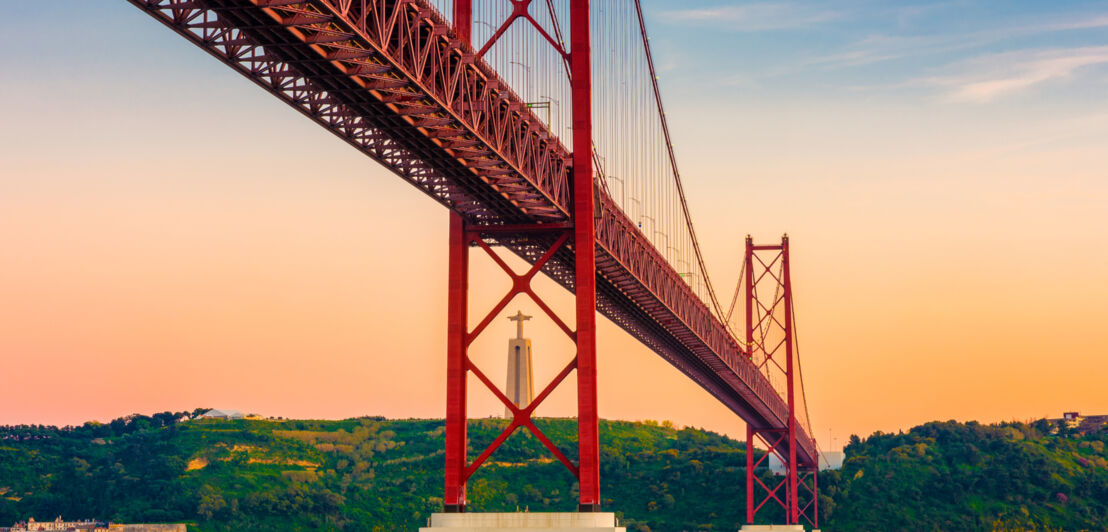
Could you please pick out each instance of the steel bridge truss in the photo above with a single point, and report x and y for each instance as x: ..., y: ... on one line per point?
x: 401, y: 84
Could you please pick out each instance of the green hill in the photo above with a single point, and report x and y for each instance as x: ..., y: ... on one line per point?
x: 955, y: 476
x: 355, y: 474
x: 378, y: 474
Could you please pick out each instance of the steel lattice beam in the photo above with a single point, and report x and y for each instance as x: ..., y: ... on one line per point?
x: 391, y: 78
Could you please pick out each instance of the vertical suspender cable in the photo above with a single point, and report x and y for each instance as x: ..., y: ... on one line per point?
x: 673, y: 163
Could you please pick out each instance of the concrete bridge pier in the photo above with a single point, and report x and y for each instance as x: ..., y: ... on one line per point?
x: 774, y: 528
x: 524, y: 522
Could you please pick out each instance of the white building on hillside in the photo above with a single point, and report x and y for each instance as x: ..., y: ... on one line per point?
x: 222, y: 414
x: 827, y: 460
x: 36, y: 526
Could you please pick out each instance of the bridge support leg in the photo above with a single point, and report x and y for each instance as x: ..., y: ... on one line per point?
x: 456, y: 373
x: 815, y: 496
x: 748, y: 270
x: 749, y: 474
x: 791, y: 474
x: 584, y: 247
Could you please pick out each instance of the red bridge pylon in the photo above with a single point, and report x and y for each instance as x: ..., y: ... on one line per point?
x: 577, y: 237
x: 770, y: 336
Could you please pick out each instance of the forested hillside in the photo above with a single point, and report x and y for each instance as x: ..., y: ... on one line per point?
x: 356, y: 474
x: 378, y: 474
x: 955, y: 476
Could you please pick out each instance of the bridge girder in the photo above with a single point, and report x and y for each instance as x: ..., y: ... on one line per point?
x: 397, y: 83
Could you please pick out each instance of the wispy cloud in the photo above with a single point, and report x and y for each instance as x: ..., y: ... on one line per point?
x: 1100, y: 21
x: 877, y: 48
x: 987, y: 78
x: 762, y: 16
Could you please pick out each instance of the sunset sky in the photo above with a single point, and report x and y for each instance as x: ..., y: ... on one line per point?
x: 174, y: 237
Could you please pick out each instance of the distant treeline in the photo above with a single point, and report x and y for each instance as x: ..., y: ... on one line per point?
x: 968, y: 476
x: 377, y: 474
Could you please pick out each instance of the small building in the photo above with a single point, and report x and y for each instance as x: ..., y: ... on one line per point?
x: 831, y: 460
x: 147, y: 527
x: 827, y: 460
x: 58, y: 524
x: 222, y: 414
x: 1071, y: 419
x: 776, y: 466
x: 1080, y: 423
x: 1092, y: 424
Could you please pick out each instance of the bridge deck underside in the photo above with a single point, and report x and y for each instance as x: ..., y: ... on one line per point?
x: 390, y: 78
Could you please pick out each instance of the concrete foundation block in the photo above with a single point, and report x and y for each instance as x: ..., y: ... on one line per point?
x: 773, y: 528
x: 524, y: 522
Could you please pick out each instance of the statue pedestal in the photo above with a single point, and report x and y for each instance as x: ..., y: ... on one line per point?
x: 524, y: 522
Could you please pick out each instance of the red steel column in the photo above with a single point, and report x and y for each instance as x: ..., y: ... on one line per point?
x: 749, y: 269
x: 584, y: 238
x: 749, y: 474
x: 454, y: 497
x: 749, y: 259
x: 793, y: 510
x: 815, y: 495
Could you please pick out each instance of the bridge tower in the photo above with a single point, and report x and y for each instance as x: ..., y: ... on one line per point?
x: 579, y: 238
x: 770, y: 335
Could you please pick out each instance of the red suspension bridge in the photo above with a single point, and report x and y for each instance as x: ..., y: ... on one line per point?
x: 539, y: 125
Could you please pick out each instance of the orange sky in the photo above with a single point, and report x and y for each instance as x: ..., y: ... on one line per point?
x: 175, y: 238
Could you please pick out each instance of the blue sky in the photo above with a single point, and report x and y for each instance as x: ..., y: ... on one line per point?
x: 958, y: 51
